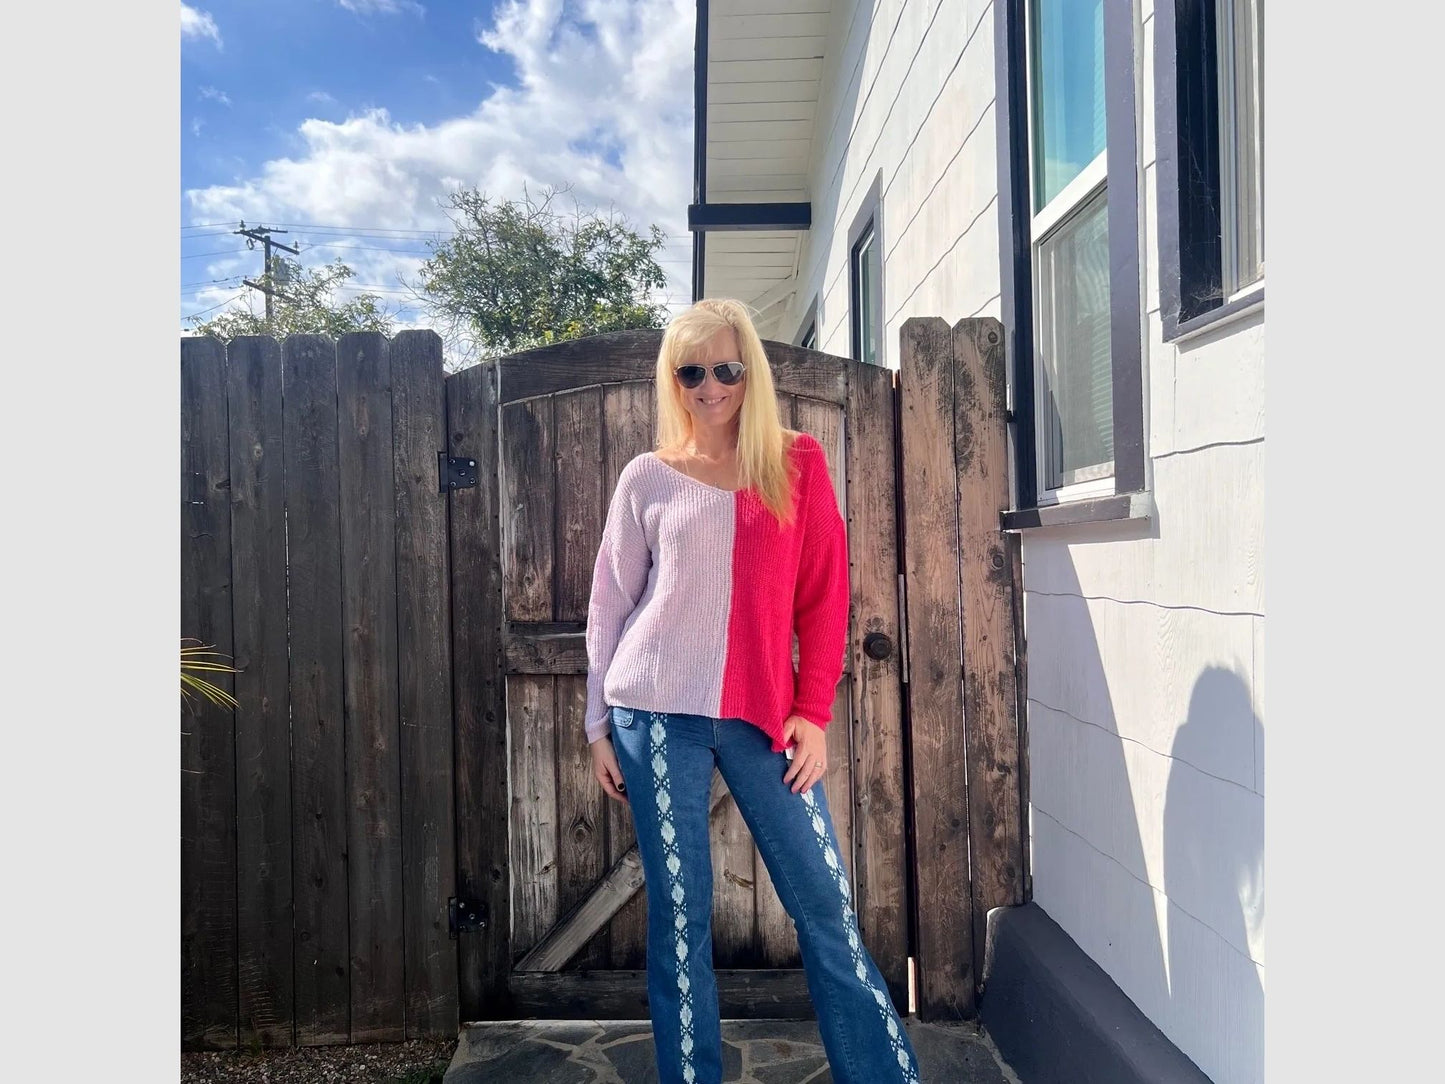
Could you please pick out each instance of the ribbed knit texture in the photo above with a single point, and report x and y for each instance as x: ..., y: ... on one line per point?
x: 697, y: 591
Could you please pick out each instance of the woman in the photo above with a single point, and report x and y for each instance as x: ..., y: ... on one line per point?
x: 719, y: 545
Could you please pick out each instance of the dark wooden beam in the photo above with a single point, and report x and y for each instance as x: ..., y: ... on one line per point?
x: 705, y: 217
x: 761, y: 993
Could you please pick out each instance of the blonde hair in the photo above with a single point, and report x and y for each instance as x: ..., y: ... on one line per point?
x: 763, y: 463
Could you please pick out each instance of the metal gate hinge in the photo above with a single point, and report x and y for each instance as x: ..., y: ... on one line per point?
x: 464, y: 915
x: 456, y: 471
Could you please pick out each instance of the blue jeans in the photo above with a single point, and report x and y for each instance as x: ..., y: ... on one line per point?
x: 667, y: 763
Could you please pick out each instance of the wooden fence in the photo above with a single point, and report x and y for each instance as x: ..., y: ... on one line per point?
x: 330, y: 819
x: 317, y: 851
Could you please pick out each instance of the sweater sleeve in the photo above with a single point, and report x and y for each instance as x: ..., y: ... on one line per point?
x: 619, y: 576
x: 821, y: 598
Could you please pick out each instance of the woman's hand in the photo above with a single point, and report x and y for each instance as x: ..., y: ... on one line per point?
x: 604, y: 766
x: 810, y: 752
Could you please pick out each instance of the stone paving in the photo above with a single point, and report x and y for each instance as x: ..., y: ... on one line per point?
x: 754, y: 1052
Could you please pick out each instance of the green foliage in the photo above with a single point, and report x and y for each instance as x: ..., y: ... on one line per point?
x: 518, y: 274
x: 304, y: 305
x: 197, y: 661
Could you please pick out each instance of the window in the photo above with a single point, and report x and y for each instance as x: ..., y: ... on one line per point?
x: 1070, y: 249
x: 865, y: 278
x: 1209, y: 135
x: 865, y: 275
x: 1068, y: 141
x: 807, y: 336
x: 1239, y: 33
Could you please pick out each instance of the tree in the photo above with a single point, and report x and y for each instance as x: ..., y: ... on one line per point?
x: 304, y: 305
x: 518, y: 274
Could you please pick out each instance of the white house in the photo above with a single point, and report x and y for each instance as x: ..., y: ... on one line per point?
x: 1088, y: 172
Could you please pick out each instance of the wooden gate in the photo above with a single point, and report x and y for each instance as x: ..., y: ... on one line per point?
x: 408, y: 753
x: 549, y: 865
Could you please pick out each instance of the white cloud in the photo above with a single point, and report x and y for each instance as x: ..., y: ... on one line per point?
x: 321, y: 97
x: 199, y: 24
x: 196, y: 126
x: 215, y: 95
x: 381, y: 7
x: 602, y: 102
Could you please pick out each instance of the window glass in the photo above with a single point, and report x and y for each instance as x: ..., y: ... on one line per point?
x: 1241, y: 152
x: 867, y: 296
x: 1076, y: 415
x: 1068, y: 91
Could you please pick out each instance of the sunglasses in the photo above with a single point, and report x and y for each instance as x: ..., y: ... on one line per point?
x: 692, y: 376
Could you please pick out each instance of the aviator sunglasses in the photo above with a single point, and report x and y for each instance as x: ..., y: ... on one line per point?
x: 692, y: 376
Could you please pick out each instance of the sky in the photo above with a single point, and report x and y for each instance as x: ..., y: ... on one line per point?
x: 345, y: 122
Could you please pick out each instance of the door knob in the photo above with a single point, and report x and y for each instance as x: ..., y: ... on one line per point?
x: 876, y: 645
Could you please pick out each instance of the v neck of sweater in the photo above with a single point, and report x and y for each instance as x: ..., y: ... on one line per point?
x: 695, y: 481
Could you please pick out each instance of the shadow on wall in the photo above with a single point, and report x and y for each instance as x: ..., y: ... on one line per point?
x: 1214, y: 877
x: 1117, y: 825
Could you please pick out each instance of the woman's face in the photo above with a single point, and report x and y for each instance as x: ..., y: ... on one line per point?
x: 712, y: 404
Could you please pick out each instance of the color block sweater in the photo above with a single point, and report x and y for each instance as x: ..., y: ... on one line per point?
x: 697, y: 591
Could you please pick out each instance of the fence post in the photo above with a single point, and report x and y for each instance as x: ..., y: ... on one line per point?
x: 939, y: 799
x: 989, y: 595
x: 209, y: 1003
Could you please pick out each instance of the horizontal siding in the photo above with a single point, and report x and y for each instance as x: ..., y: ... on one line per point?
x: 1202, y: 551
x: 783, y: 89
x: 1143, y: 809
x: 732, y: 113
x: 765, y: 19
x: 755, y: 190
x: 1206, y: 996
x: 759, y: 71
x: 752, y: 241
x: 924, y: 123
x: 763, y: 48
x: 791, y: 132
x: 776, y: 174
x: 1219, y: 387
x: 1142, y: 671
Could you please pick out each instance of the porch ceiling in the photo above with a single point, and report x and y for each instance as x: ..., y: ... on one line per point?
x: 764, y: 62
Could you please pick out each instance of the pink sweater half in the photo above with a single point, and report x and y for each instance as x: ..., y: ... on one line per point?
x: 697, y: 592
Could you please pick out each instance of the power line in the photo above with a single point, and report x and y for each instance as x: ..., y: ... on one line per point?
x: 371, y: 248
x: 378, y: 231
x: 218, y: 252
x: 209, y: 282
x: 364, y: 229
x: 226, y: 302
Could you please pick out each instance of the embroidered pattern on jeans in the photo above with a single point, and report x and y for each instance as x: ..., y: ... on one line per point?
x: 850, y: 923
x: 661, y: 780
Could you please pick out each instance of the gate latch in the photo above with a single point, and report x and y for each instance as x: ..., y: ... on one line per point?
x: 464, y: 915
x: 456, y: 471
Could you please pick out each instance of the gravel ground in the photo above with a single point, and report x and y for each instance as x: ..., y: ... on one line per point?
x: 421, y: 1061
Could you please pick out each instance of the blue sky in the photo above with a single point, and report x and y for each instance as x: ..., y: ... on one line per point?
x: 346, y: 121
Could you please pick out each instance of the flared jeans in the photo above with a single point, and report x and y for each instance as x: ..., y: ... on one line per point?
x: 667, y: 763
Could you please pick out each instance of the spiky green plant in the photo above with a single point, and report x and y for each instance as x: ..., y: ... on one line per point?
x: 197, y: 661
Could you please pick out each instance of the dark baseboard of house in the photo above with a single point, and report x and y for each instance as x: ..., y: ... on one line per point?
x: 1057, y: 1018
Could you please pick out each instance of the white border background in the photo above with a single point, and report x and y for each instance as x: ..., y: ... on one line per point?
x: 91, y: 434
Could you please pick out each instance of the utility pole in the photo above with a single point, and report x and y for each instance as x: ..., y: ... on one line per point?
x: 263, y: 234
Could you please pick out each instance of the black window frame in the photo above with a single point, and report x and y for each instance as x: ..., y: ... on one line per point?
x: 868, y: 220
x: 1187, y: 129
x: 808, y: 327
x: 1126, y: 295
